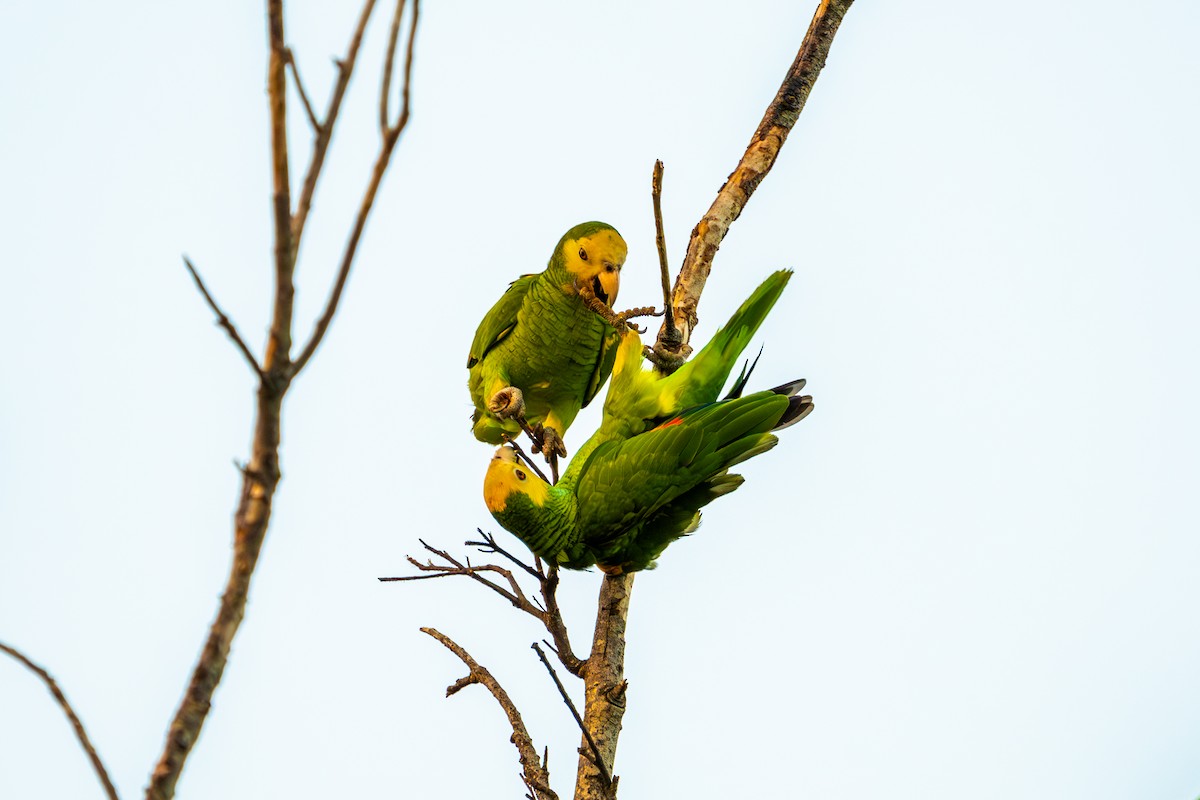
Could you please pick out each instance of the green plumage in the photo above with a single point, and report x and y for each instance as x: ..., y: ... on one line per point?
x: 663, y: 452
x: 540, y: 338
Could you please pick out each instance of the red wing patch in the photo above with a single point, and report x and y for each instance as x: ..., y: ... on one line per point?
x: 668, y: 424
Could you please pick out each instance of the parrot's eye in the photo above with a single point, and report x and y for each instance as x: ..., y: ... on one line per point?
x: 520, y: 475
x: 610, y: 268
x: 582, y: 254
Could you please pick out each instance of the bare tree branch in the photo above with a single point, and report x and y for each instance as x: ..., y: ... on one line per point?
x: 548, y: 613
x: 308, y: 109
x: 261, y: 475
x: 556, y: 626
x: 515, y: 445
x: 345, y: 68
x: 604, y: 687
x: 758, y: 159
x: 385, y: 90
x: 515, y: 594
x: 603, y: 671
x: 224, y: 321
x: 660, y: 243
x: 391, y: 135
x: 536, y: 776
x: 587, y: 735
x: 489, y: 545
x: 80, y: 733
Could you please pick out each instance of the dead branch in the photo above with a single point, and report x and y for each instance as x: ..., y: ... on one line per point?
x: 224, y: 321
x: 489, y: 545
x: 556, y: 626
x: 526, y: 459
x: 391, y: 135
x: 604, y: 687
x: 261, y: 475
x: 604, y: 669
x: 660, y: 244
x: 587, y: 735
x: 547, y: 611
x: 299, y: 84
x: 535, y: 774
x: 514, y: 594
x: 345, y: 68
x: 72, y: 717
x: 755, y: 163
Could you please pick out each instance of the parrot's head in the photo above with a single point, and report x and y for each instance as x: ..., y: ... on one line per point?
x: 594, y: 253
x: 506, y: 476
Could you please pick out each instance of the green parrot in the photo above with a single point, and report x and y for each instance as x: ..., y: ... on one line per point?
x: 543, y: 351
x: 663, y: 451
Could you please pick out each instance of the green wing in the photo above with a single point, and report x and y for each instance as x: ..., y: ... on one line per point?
x: 604, y: 364
x: 638, y: 495
x: 499, y: 322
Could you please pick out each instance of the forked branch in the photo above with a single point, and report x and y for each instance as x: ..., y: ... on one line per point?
x: 604, y: 669
x: 391, y: 135
x: 546, y: 611
x: 261, y: 474
x: 224, y: 321
x: 534, y: 773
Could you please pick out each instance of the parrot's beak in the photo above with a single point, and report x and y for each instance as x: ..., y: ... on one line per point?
x: 607, y: 283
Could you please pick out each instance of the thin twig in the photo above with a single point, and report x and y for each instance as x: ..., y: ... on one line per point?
x: 556, y: 625
x: 489, y: 546
x: 308, y: 109
x: 521, y: 454
x: 660, y: 241
x: 385, y: 89
x: 279, y: 342
x: 547, y: 611
x: 515, y: 594
x: 224, y: 321
x: 391, y: 137
x: 599, y: 760
x: 536, y: 775
x: 80, y: 733
x: 345, y: 68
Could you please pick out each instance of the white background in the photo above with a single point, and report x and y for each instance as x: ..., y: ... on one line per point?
x: 974, y: 571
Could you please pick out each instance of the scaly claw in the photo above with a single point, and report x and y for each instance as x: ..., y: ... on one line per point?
x: 552, y: 443
x: 508, y: 403
x: 642, y: 311
x: 618, y: 321
x: 549, y: 443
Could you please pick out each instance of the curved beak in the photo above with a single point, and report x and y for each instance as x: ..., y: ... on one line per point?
x: 607, y: 284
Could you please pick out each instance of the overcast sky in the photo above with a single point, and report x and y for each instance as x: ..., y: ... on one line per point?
x: 974, y: 571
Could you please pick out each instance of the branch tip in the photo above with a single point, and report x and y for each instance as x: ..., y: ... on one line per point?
x: 224, y: 321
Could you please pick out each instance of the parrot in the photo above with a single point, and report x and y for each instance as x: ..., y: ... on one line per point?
x: 546, y: 347
x: 663, y: 450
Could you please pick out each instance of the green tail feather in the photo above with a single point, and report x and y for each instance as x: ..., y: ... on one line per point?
x: 707, y: 371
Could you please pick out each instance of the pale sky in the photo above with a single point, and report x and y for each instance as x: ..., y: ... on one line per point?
x: 974, y: 571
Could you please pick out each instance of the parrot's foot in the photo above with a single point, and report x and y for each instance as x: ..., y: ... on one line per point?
x: 665, y: 360
x: 642, y: 311
x: 508, y: 403
x: 605, y: 312
x: 548, y: 442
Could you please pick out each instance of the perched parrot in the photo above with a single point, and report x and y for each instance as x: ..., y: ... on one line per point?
x: 542, y: 353
x: 663, y: 451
